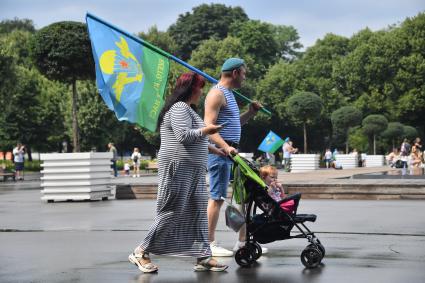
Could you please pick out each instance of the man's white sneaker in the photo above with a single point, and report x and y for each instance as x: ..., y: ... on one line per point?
x: 219, y: 251
x: 239, y: 245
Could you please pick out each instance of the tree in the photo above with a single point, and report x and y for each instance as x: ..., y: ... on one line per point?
x: 62, y: 51
x: 205, y: 22
x: 394, y: 131
x: 7, y: 26
x: 258, y: 41
x: 304, y: 108
x: 372, y: 126
x: 287, y: 40
x: 409, y: 132
x: 343, y: 119
x: 160, y: 39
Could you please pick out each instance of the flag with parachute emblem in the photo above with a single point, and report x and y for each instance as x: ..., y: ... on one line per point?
x: 131, y: 78
x: 271, y: 143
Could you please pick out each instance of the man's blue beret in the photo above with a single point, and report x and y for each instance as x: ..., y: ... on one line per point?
x: 231, y: 64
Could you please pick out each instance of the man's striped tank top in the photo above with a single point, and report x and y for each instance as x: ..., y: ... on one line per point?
x: 229, y: 114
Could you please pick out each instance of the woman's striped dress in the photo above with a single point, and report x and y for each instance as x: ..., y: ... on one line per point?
x: 181, y: 225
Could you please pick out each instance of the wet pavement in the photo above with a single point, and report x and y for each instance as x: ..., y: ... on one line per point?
x: 366, y: 241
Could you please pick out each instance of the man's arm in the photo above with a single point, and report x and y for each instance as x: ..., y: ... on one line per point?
x: 252, y: 111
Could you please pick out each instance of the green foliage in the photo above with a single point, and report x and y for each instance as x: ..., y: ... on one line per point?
x: 7, y: 26
x: 287, y: 40
x: 212, y: 53
x: 160, y: 39
x: 374, y: 124
x: 16, y: 44
x: 394, y: 130
x: 205, y: 22
x: 258, y: 40
x: 346, y: 117
x: 304, y: 107
x: 343, y: 119
x: 357, y: 139
x: 377, y: 72
x: 409, y: 132
x: 62, y: 51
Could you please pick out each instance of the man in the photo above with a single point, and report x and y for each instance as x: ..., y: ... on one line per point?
x: 114, y: 151
x: 18, y: 158
x: 221, y: 109
x: 287, y: 152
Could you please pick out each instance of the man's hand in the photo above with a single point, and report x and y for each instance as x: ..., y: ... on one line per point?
x: 255, y: 106
x: 230, y: 149
x: 216, y: 150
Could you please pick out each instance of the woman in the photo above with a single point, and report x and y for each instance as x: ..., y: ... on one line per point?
x: 415, y: 157
x: 180, y: 227
x: 135, y: 157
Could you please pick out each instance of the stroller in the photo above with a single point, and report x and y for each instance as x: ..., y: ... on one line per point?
x: 272, y: 223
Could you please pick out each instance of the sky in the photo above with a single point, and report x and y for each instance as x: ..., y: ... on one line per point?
x: 311, y: 18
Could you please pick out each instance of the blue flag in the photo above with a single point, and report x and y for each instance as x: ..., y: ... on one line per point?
x: 131, y: 78
x: 271, y: 143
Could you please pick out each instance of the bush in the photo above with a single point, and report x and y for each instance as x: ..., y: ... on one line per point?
x: 33, y: 166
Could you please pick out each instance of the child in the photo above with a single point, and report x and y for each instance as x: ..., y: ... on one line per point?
x: 127, y: 168
x: 269, y: 175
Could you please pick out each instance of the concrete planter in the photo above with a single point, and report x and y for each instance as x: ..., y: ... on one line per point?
x: 347, y: 161
x: 304, y: 162
x: 374, y: 160
x: 76, y: 176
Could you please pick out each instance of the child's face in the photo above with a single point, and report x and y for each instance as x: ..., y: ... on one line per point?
x: 271, y: 178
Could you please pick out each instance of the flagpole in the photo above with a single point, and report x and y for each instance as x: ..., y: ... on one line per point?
x: 172, y: 57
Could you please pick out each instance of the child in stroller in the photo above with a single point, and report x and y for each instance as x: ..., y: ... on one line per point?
x: 275, y: 189
x: 272, y: 222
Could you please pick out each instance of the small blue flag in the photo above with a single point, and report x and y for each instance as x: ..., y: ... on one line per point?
x: 271, y: 143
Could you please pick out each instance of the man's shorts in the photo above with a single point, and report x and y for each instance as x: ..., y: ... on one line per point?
x: 219, y: 168
x: 19, y: 166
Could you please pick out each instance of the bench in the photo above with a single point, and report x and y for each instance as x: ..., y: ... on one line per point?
x: 7, y: 174
x: 152, y: 166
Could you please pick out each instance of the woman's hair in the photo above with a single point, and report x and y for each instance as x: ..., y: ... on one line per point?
x: 267, y: 171
x: 185, y: 85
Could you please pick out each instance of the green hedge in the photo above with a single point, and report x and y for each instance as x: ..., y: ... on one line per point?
x: 28, y: 166
x: 143, y: 164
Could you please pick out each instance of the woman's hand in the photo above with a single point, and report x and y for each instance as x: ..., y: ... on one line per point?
x: 210, y: 129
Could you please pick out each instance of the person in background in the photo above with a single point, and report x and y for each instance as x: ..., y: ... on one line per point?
x: 393, y: 157
x: 415, y: 157
x: 136, y: 158
x: 127, y: 168
x: 418, y: 145
x: 114, y: 151
x: 404, y: 152
x: 328, y: 158
x: 18, y: 157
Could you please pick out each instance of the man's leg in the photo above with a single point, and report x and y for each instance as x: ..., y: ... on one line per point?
x: 213, y: 211
x: 219, y: 174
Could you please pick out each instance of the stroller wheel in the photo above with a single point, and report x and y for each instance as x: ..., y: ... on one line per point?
x: 255, y: 250
x: 321, y: 249
x: 311, y: 257
x: 244, y: 257
x: 319, y: 246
